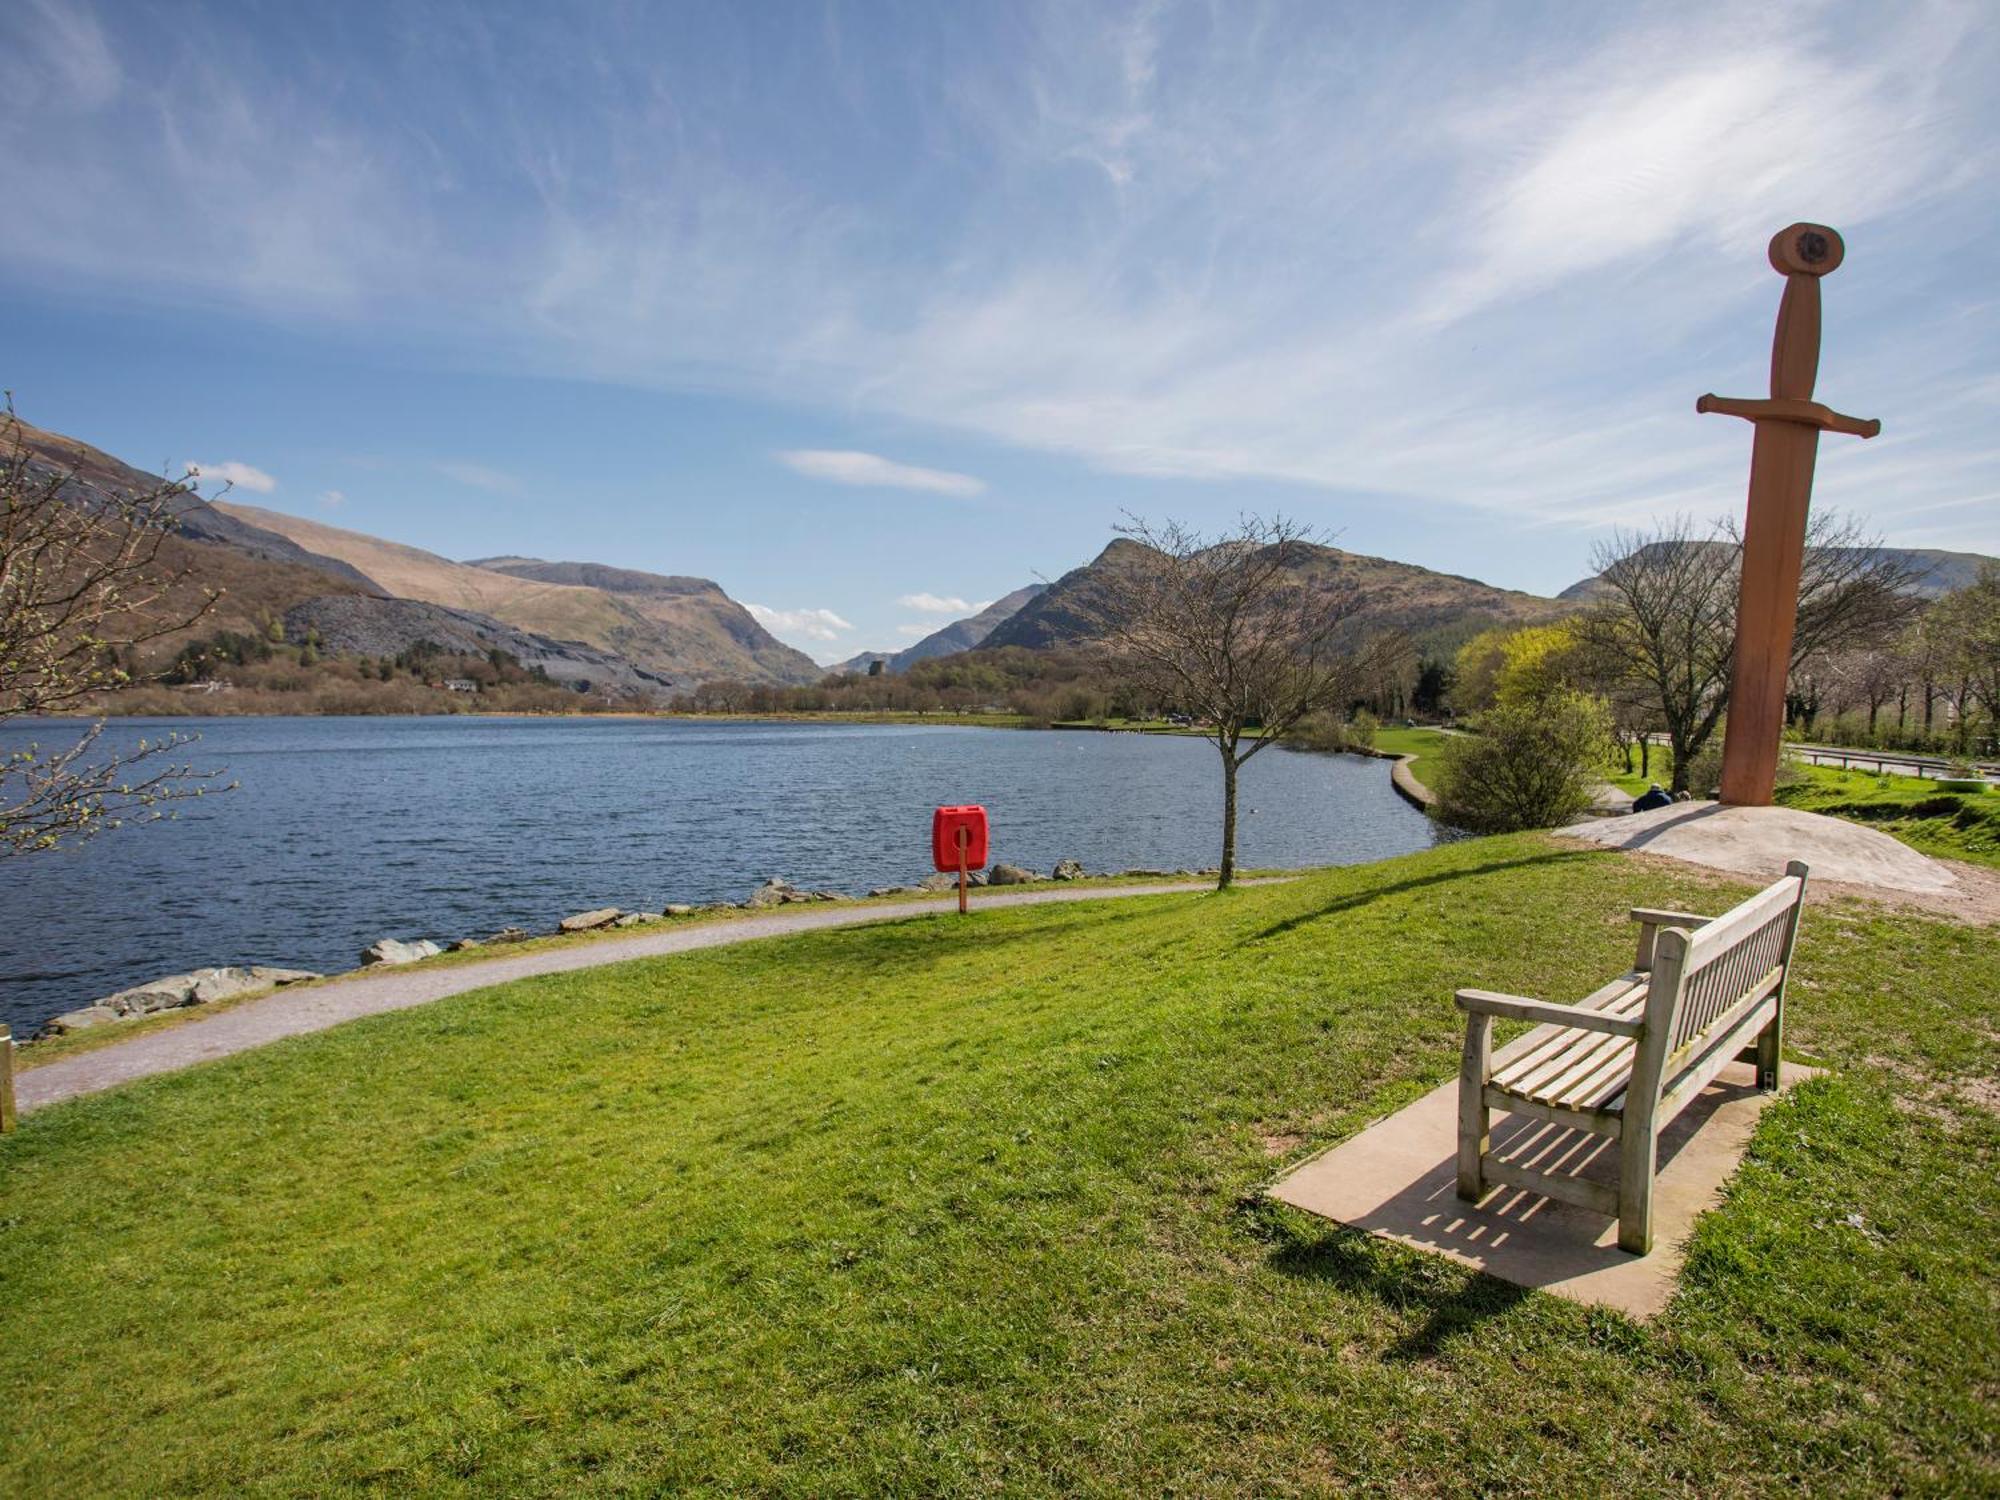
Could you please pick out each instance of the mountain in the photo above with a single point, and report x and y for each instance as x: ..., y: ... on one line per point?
x: 960, y: 635
x: 1438, y: 610
x: 708, y: 633
x: 614, y: 628
x: 700, y: 631
x: 1933, y: 572
x: 361, y: 625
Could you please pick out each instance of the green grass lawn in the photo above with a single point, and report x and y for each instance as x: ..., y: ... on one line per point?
x: 973, y: 1205
x: 1417, y: 742
x: 1958, y: 825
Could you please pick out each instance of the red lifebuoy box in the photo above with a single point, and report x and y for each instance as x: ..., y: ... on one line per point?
x: 945, y: 825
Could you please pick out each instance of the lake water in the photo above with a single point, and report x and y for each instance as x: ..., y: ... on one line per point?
x: 345, y: 830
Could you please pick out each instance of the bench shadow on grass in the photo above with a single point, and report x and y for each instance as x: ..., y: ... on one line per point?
x: 1415, y: 882
x: 1401, y: 1281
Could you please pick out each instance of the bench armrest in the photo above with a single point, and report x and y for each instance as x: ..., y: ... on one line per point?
x: 1654, y: 918
x: 1650, y: 922
x: 1521, y: 1008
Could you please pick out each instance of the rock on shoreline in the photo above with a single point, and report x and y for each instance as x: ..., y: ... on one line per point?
x: 174, y: 992
x: 394, y: 951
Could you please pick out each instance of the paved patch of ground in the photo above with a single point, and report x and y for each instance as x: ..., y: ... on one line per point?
x: 296, y: 1012
x: 1399, y: 1179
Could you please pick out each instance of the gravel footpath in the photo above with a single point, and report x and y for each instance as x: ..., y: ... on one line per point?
x: 296, y: 1012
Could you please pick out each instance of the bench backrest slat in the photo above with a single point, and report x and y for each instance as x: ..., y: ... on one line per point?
x: 1720, y: 963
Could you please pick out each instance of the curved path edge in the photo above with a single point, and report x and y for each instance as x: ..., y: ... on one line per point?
x: 299, y: 1012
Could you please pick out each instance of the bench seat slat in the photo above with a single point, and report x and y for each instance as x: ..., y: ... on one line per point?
x: 1578, y: 1077
x: 1624, y: 996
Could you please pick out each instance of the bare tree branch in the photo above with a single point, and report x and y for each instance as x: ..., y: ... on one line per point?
x: 82, y: 588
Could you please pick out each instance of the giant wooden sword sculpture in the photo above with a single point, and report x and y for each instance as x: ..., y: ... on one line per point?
x: 1774, y: 531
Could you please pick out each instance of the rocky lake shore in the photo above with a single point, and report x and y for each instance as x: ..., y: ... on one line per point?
x: 209, y: 986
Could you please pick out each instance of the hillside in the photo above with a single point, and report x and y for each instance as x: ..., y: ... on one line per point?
x: 959, y: 635
x: 1438, y: 610
x: 704, y: 631
x: 1934, y: 571
x: 95, y: 473
x: 701, y: 634
x: 260, y: 574
x: 357, y: 625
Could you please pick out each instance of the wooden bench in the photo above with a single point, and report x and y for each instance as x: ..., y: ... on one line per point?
x: 1624, y: 1061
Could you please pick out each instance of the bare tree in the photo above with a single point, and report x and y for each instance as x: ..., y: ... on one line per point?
x: 1233, y: 631
x: 1968, y: 620
x: 1666, y: 618
x: 1667, y: 621
x: 83, y: 586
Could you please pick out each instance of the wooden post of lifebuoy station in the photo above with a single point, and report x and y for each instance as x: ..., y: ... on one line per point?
x: 6, y: 1079
x: 964, y: 839
x: 1788, y: 426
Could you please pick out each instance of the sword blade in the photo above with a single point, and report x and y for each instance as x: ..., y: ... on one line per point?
x: 1767, y: 605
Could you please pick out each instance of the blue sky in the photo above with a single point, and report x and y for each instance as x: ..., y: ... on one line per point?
x: 871, y: 311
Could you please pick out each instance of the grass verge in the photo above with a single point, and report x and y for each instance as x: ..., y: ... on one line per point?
x: 50, y: 1049
x: 1422, y: 743
x: 948, y: 1206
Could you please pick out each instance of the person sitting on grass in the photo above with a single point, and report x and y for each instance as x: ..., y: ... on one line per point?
x: 1654, y: 796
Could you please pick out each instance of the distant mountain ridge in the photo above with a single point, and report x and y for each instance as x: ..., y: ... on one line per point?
x: 708, y: 633
x: 1935, y: 572
x: 1438, y: 610
x: 676, y: 630
x: 616, y: 628
x: 960, y: 635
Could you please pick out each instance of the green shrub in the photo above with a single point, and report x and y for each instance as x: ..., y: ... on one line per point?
x: 1704, y: 771
x: 1532, y: 765
x: 1328, y: 731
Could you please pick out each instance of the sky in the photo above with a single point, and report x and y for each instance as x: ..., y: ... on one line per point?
x: 873, y: 313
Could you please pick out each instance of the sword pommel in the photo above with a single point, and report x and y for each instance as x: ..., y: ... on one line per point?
x: 1806, y: 250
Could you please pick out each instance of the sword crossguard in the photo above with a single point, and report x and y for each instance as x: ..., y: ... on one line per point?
x: 1779, y: 409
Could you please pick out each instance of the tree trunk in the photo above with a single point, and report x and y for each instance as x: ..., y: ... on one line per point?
x: 1681, y: 759
x: 1645, y: 756
x: 1227, y: 873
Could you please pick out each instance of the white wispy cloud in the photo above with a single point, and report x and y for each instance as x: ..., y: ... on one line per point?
x: 942, y: 604
x: 333, y: 499
x: 1451, y: 253
x: 872, y: 471
x: 809, y: 624
x: 479, y: 476
x: 235, y: 474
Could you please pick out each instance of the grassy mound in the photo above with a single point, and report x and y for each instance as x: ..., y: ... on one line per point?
x: 960, y: 1205
x: 1957, y: 825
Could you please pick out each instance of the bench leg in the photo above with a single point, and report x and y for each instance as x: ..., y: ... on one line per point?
x: 1769, y: 1044
x: 1638, y: 1159
x: 1474, y: 1118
